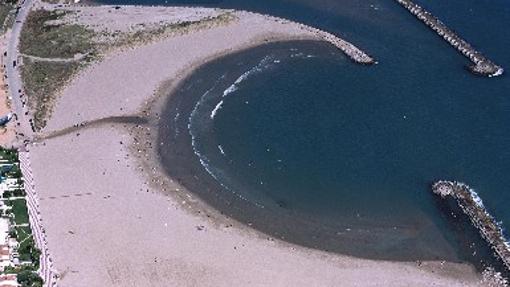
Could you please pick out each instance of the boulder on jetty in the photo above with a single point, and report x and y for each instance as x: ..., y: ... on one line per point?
x: 473, y: 207
x: 481, y: 65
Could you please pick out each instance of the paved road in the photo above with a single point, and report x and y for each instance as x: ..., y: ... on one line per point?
x: 13, y: 73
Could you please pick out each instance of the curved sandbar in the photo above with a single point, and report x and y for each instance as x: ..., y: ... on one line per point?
x: 109, y: 221
x: 481, y: 65
x: 473, y: 207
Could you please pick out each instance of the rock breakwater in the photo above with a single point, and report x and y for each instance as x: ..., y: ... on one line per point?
x: 353, y: 52
x: 481, y: 65
x: 473, y: 207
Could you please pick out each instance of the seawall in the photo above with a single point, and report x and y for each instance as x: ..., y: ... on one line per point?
x: 473, y: 207
x: 481, y: 65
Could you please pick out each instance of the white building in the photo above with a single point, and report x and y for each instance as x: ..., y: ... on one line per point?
x: 5, y: 259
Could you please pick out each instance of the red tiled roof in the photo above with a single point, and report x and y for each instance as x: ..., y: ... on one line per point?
x: 8, y: 277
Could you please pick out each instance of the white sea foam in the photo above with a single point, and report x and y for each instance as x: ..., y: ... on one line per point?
x: 264, y: 64
x: 476, y: 198
x: 299, y: 55
x: 218, y: 106
x: 499, y: 72
x: 204, y: 161
x: 261, y: 66
x: 232, y: 88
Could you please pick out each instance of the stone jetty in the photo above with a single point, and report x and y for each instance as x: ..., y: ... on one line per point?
x: 481, y: 65
x: 353, y: 52
x: 349, y: 49
x: 473, y: 207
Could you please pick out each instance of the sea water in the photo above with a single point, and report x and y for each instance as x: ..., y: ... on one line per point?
x: 306, y: 145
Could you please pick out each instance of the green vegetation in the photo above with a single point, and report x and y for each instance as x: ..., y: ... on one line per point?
x: 9, y: 154
x: 18, y: 269
x: 29, y: 252
x: 5, y: 8
x: 4, y: 11
x: 44, y: 35
x: 14, y: 172
x: 28, y: 278
x: 43, y: 80
x: 22, y: 232
x: 19, y: 209
x: 16, y: 192
x: 27, y: 249
x: 26, y: 274
x: 149, y: 35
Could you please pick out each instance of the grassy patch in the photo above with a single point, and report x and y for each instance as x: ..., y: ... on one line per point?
x: 29, y: 252
x: 22, y: 233
x: 16, y: 192
x: 19, y: 208
x: 44, y: 35
x: 14, y: 172
x: 27, y: 249
x: 28, y: 278
x: 149, y: 35
x: 42, y: 82
x: 6, y: 14
x: 9, y: 154
x: 5, y: 8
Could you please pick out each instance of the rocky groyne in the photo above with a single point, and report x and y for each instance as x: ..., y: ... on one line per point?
x: 481, y: 65
x: 349, y: 49
x: 473, y: 207
x: 353, y: 52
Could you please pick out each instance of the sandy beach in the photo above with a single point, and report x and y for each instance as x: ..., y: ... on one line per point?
x: 7, y: 133
x: 109, y: 222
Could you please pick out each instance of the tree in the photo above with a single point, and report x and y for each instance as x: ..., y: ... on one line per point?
x: 29, y: 278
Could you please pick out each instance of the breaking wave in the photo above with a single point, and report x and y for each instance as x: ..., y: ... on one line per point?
x: 264, y: 64
x: 196, y: 119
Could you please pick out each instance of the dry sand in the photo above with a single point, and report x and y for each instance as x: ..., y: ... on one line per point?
x: 133, y: 18
x: 107, y: 227
x: 7, y: 133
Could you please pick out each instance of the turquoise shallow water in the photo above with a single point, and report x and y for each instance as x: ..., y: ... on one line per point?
x: 334, y: 155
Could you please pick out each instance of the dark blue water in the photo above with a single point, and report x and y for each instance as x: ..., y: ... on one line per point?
x: 350, y: 148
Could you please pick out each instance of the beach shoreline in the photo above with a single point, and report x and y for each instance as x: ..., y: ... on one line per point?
x: 123, y: 219
x: 181, y: 163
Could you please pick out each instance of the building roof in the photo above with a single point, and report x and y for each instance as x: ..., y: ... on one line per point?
x: 4, y: 230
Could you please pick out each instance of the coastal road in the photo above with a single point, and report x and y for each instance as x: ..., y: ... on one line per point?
x: 13, y: 72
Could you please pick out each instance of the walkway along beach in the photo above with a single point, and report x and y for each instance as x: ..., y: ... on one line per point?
x: 46, y: 270
x: 481, y: 65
